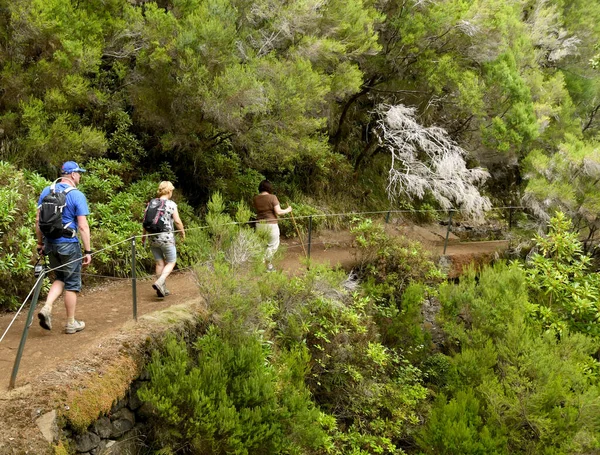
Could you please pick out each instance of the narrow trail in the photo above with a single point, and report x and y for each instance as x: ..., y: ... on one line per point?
x: 107, y: 307
x: 104, y: 309
x: 54, y: 362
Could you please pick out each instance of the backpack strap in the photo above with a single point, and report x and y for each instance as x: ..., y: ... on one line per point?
x: 158, y: 211
x: 66, y: 190
x: 53, y: 186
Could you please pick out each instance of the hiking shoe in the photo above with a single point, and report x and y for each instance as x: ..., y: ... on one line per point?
x: 160, y: 289
x: 270, y: 268
x: 167, y: 292
x: 77, y: 326
x: 45, y: 318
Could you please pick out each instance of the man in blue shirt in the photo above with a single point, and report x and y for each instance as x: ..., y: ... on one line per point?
x: 65, y: 251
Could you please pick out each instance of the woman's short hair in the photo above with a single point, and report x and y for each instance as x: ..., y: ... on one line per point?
x: 164, y: 188
x: 265, y: 185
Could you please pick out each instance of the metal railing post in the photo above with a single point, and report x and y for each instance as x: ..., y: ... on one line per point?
x: 387, y: 217
x: 309, y: 239
x: 510, y: 218
x: 133, y: 279
x: 448, y: 231
x: 34, y: 300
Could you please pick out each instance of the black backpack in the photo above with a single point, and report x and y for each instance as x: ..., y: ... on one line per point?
x: 154, y: 216
x: 51, y: 209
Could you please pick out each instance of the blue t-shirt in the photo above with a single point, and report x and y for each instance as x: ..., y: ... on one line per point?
x: 76, y: 206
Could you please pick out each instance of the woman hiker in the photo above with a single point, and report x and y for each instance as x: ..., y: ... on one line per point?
x: 159, y: 225
x: 268, y: 209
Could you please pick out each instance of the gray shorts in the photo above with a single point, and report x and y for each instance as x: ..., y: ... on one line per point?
x: 164, y: 251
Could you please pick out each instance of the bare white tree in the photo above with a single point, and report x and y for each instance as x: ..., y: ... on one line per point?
x: 426, y: 160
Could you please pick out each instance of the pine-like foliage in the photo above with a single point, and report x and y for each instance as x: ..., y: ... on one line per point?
x: 227, y: 398
x: 567, y: 181
x: 512, y: 387
x: 426, y: 161
x: 458, y: 428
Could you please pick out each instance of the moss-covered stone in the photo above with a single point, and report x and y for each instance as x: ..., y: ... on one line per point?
x: 86, y: 405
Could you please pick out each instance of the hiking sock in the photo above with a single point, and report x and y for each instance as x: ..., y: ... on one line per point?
x: 70, y: 320
x: 48, y: 306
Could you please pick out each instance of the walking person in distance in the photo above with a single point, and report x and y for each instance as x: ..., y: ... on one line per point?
x: 268, y: 209
x: 61, y: 217
x: 160, y: 216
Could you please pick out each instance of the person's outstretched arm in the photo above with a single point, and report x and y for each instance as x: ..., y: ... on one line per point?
x: 279, y: 211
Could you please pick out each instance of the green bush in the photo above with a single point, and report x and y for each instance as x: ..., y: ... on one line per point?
x: 537, y: 392
x: 301, y: 213
x: 401, y: 324
x: 393, y: 261
x: 231, y: 238
x: 369, y: 392
x: 422, y: 212
x: 18, y: 202
x: 224, y: 396
x: 370, y: 389
x: 398, y: 274
x: 456, y: 427
x: 437, y: 370
x: 564, y: 289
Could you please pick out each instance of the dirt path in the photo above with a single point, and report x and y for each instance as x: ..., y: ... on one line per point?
x: 106, y: 308
x: 335, y: 249
x: 107, y: 311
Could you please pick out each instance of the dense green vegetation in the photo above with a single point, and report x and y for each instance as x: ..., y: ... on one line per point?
x: 327, y: 364
x: 227, y: 91
x: 218, y: 94
x: 340, y: 103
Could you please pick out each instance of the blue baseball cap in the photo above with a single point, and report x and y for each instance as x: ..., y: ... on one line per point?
x: 71, y: 166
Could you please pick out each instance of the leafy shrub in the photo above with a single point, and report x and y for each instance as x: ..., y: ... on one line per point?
x: 437, y: 370
x: 370, y: 389
x: 369, y: 392
x: 565, y: 291
x: 232, y: 238
x: 538, y: 393
x: 301, y: 213
x: 224, y: 171
x: 422, y: 211
x: 104, y: 178
x: 401, y: 324
x: 226, y: 397
x: 398, y: 274
x: 456, y: 427
x: 394, y: 261
x: 18, y: 202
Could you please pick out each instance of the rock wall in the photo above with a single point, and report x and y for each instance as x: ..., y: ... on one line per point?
x: 98, y: 412
x: 122, y: 431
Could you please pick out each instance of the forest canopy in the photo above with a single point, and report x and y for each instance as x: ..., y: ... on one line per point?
x: 226, y: 92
